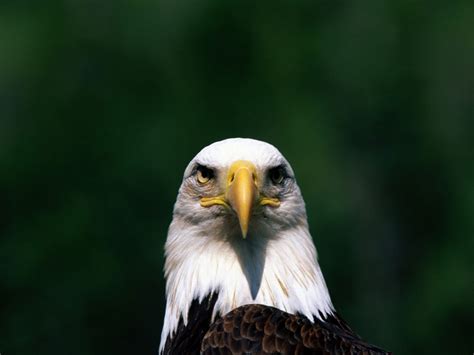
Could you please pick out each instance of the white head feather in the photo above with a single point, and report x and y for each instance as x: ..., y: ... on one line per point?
x: 275, y: 265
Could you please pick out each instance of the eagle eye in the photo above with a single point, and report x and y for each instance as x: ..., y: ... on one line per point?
x: 203, y: 174
x: 277, y: 175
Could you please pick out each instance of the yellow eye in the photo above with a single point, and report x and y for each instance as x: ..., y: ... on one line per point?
x: 203, y: 175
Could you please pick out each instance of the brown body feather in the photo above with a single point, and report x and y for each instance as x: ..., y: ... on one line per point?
x: 259, y: 329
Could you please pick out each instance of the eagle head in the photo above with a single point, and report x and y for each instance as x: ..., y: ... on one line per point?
x: 239, y: 231
x: 238, y: 188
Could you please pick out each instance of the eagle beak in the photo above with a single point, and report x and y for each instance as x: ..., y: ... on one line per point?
x: 242, y: 191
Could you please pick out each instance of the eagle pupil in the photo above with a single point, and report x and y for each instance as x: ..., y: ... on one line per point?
x: 204, y: 174
x: 277, y: 175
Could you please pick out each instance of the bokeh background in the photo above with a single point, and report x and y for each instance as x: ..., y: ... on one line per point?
x: 103, y: 103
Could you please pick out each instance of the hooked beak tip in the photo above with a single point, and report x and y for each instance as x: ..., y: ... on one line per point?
x: 242, y: 192
x: 244, y: 231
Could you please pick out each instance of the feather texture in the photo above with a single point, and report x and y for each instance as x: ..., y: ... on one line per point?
x: 259, y: 329
x: 189, y: 335
x: 268, y: 287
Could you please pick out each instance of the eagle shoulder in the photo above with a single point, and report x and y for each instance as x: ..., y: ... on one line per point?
x: 189, y: 335
x: 259, y: 329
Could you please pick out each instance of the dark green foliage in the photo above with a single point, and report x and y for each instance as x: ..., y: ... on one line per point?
x: 102, y: 105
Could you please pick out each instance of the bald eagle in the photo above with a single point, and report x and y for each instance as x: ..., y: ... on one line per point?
x: 241, y: 269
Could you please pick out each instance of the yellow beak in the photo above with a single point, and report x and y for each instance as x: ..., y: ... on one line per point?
x: 242, y: 191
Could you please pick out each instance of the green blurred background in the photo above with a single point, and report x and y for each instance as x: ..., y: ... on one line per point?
x: 102, y: 105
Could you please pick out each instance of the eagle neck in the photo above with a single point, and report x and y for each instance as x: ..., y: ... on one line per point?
x: 280, y: 271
